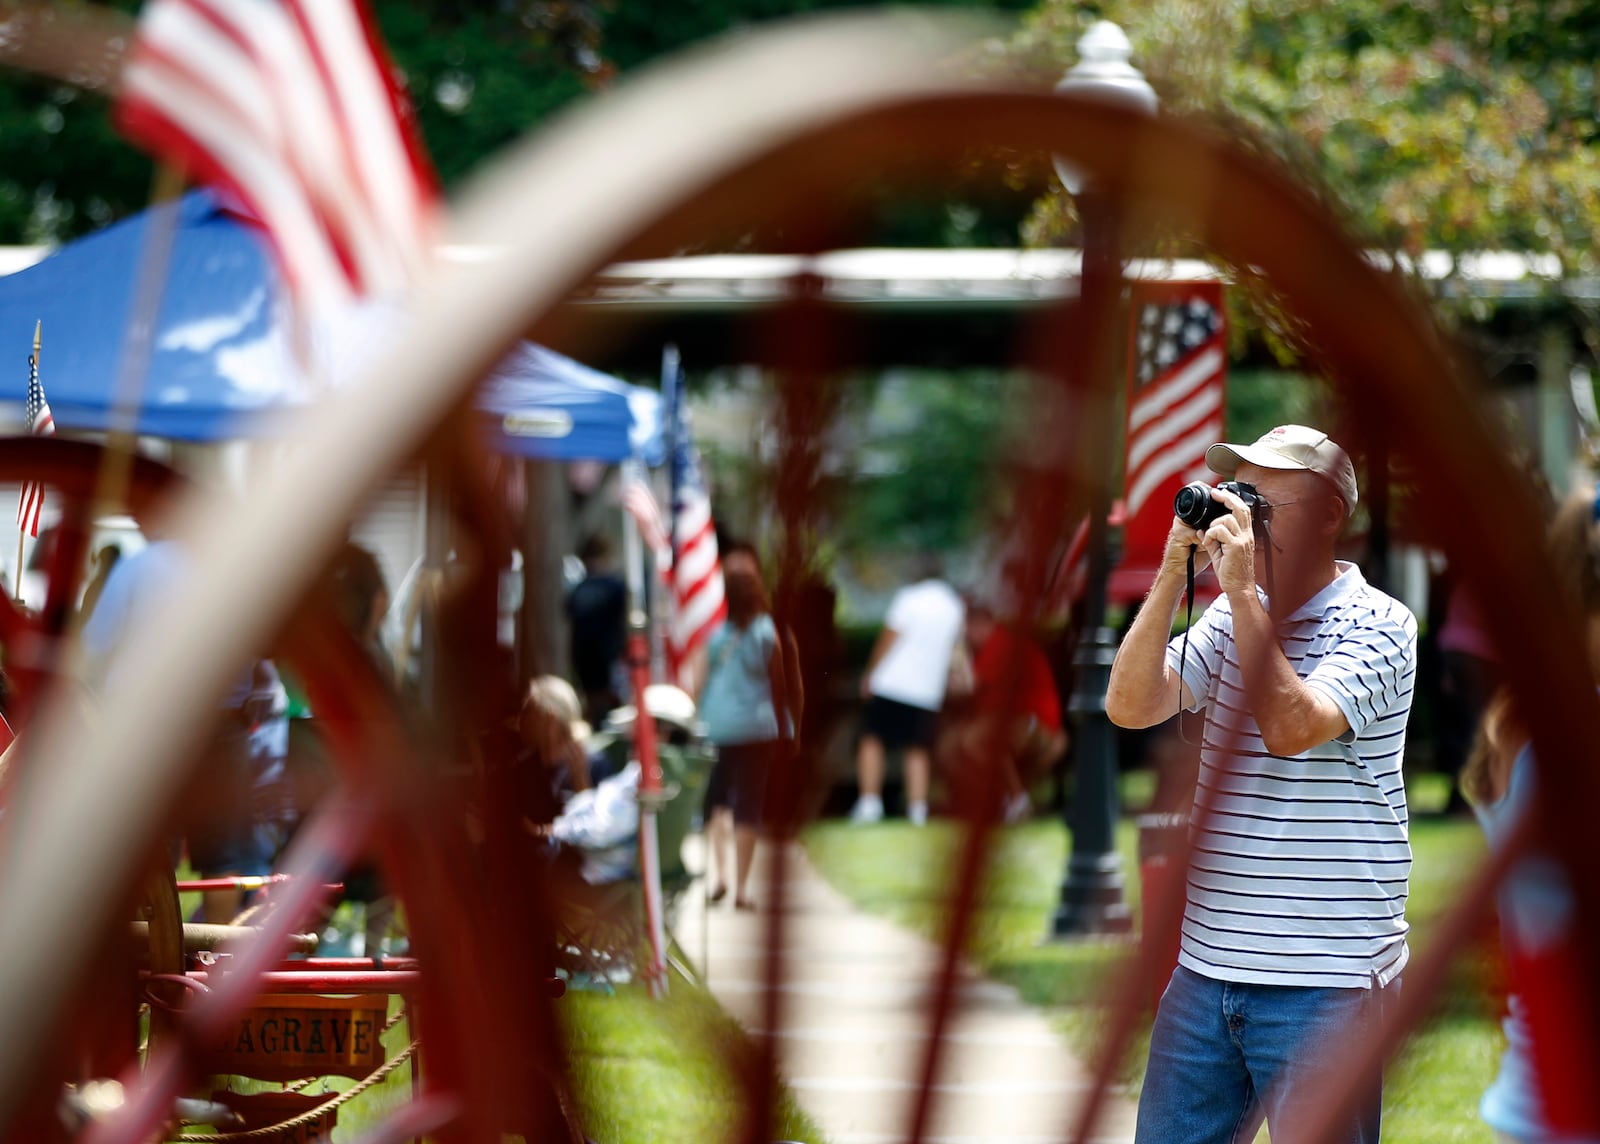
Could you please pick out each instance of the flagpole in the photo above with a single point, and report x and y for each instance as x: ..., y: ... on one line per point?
x: 646, y: 749
x: 671, y: 371
x: 22, y: 531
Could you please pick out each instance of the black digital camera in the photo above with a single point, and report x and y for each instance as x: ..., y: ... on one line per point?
x: 1195, y: 507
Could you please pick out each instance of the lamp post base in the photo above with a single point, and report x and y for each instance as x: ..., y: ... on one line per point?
x: 1092, y: 902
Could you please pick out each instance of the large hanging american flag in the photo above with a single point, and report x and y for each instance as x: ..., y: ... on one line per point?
x: 40, y: 424
x: 694, y: 578
x: 290, y: 106
x: 1177, y: 377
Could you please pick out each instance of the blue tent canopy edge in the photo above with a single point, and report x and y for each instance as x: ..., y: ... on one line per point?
x: 219, y: 365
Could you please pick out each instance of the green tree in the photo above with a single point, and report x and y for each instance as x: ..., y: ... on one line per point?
x: 478, y: 76
x: 1453, y: 125
x: 928, y: 471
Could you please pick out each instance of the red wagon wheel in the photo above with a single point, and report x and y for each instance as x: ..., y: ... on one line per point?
x: 398, y: 800
x: 741, y: 133
x: 34, y: 646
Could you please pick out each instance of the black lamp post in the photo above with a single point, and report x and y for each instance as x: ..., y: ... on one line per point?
x: 1092, y: 900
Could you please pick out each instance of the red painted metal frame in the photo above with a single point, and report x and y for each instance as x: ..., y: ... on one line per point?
x: 351, y: 704
x: 1376, y: 342
x: 246, y: 882
x: 300, y: 981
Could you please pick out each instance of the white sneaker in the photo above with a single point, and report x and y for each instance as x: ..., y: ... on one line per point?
x: 1018, y: 809
x: 917, y: 813
x: 867, y: 810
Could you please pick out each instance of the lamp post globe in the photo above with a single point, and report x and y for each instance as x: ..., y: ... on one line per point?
x: 1092, y: 900
x: 1103, y: 73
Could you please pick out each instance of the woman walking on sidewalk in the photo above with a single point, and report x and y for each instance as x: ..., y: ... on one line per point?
x: 750, y: 701
x: 1543, y: 1091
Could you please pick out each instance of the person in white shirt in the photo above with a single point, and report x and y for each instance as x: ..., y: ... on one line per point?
x: 602, y: 824
x: 1294, y: 931
x: 904, y: 686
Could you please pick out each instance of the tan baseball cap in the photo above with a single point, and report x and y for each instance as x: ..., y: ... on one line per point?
x: 1291, y: 447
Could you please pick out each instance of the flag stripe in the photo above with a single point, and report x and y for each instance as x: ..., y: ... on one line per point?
x: 40, y: 423
x: 1177, y: 374
x: 1161, y: 396
x: 374, y: 267
x: 697, y: 615
x: 291, y: 108
x: 213, y: 118
x: 641, y: 504
x: 1178, y: 459
x: 699, y: 599
x: 368, y: 110
x: 1179, y: 419
x: 696, y: 561
x: 215, y: 147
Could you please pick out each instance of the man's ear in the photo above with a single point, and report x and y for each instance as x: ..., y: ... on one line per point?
x: 1337, y: 514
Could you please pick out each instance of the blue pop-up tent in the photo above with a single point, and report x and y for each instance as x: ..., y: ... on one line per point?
x: 219, y: 359
x: 542, y: 404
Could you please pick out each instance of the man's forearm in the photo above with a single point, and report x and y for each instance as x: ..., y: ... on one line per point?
x: 1291, y: 716
x: 1142, y: 686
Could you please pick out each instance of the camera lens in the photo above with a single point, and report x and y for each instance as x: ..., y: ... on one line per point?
x: 1193, y: 505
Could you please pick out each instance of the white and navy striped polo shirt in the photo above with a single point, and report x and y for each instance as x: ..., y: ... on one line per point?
x: 1301, y: 869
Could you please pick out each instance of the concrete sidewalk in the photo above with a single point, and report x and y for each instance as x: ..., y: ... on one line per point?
x: 857, y: 1001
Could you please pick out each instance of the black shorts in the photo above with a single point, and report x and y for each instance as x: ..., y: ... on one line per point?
x: 899, y: 725
x: 739, y: 780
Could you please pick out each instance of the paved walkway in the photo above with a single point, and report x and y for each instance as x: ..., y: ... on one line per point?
x: 857, y: 998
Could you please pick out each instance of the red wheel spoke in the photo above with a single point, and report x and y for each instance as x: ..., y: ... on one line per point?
x: 333, y: 839
x: 1380, y: 348
x: 12, y: 622
x: 65, y: 569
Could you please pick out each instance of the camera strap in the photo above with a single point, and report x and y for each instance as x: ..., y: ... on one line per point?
x: 1264, y: 532
x: 1188, y: 622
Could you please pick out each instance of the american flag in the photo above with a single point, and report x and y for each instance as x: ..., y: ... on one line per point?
x: 1178, y: 371
x: 290, y: 107
x: 40, y: 424
x: 640, y: 503
x: 695, y: 574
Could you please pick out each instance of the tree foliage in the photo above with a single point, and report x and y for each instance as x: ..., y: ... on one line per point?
x: 930, y: 473
x: 478, y: 75
x: 1454, y: 125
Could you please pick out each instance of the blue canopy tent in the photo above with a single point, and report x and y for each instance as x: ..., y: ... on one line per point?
x: 219, y: 358
x: 547, y: 406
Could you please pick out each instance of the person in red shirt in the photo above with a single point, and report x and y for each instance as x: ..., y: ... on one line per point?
x: 1012, y: 684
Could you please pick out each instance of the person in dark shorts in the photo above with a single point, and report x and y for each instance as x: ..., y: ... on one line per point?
x: 750, y: 701
x: 899, y: 726
x: 904, y: 686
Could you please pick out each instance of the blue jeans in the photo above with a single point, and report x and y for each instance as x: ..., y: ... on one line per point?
x: 1223, y: 1055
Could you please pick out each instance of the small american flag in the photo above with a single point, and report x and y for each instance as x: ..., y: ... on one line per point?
x: 1175, y: 403
x: 40, y: 424
x: 640, y: 503
x: 290, y: 107
x: 695, y: 578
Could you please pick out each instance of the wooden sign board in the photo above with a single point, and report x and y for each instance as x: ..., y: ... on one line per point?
x: 286, y: 1038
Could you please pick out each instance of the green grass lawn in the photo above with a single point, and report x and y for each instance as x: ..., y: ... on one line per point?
x: 903, y: 873
x: 650, y: 1070
x: 644, y: 1071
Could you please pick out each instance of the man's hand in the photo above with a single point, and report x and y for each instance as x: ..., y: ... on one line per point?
x: 1230, y: 545
x: 1181, y: 538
